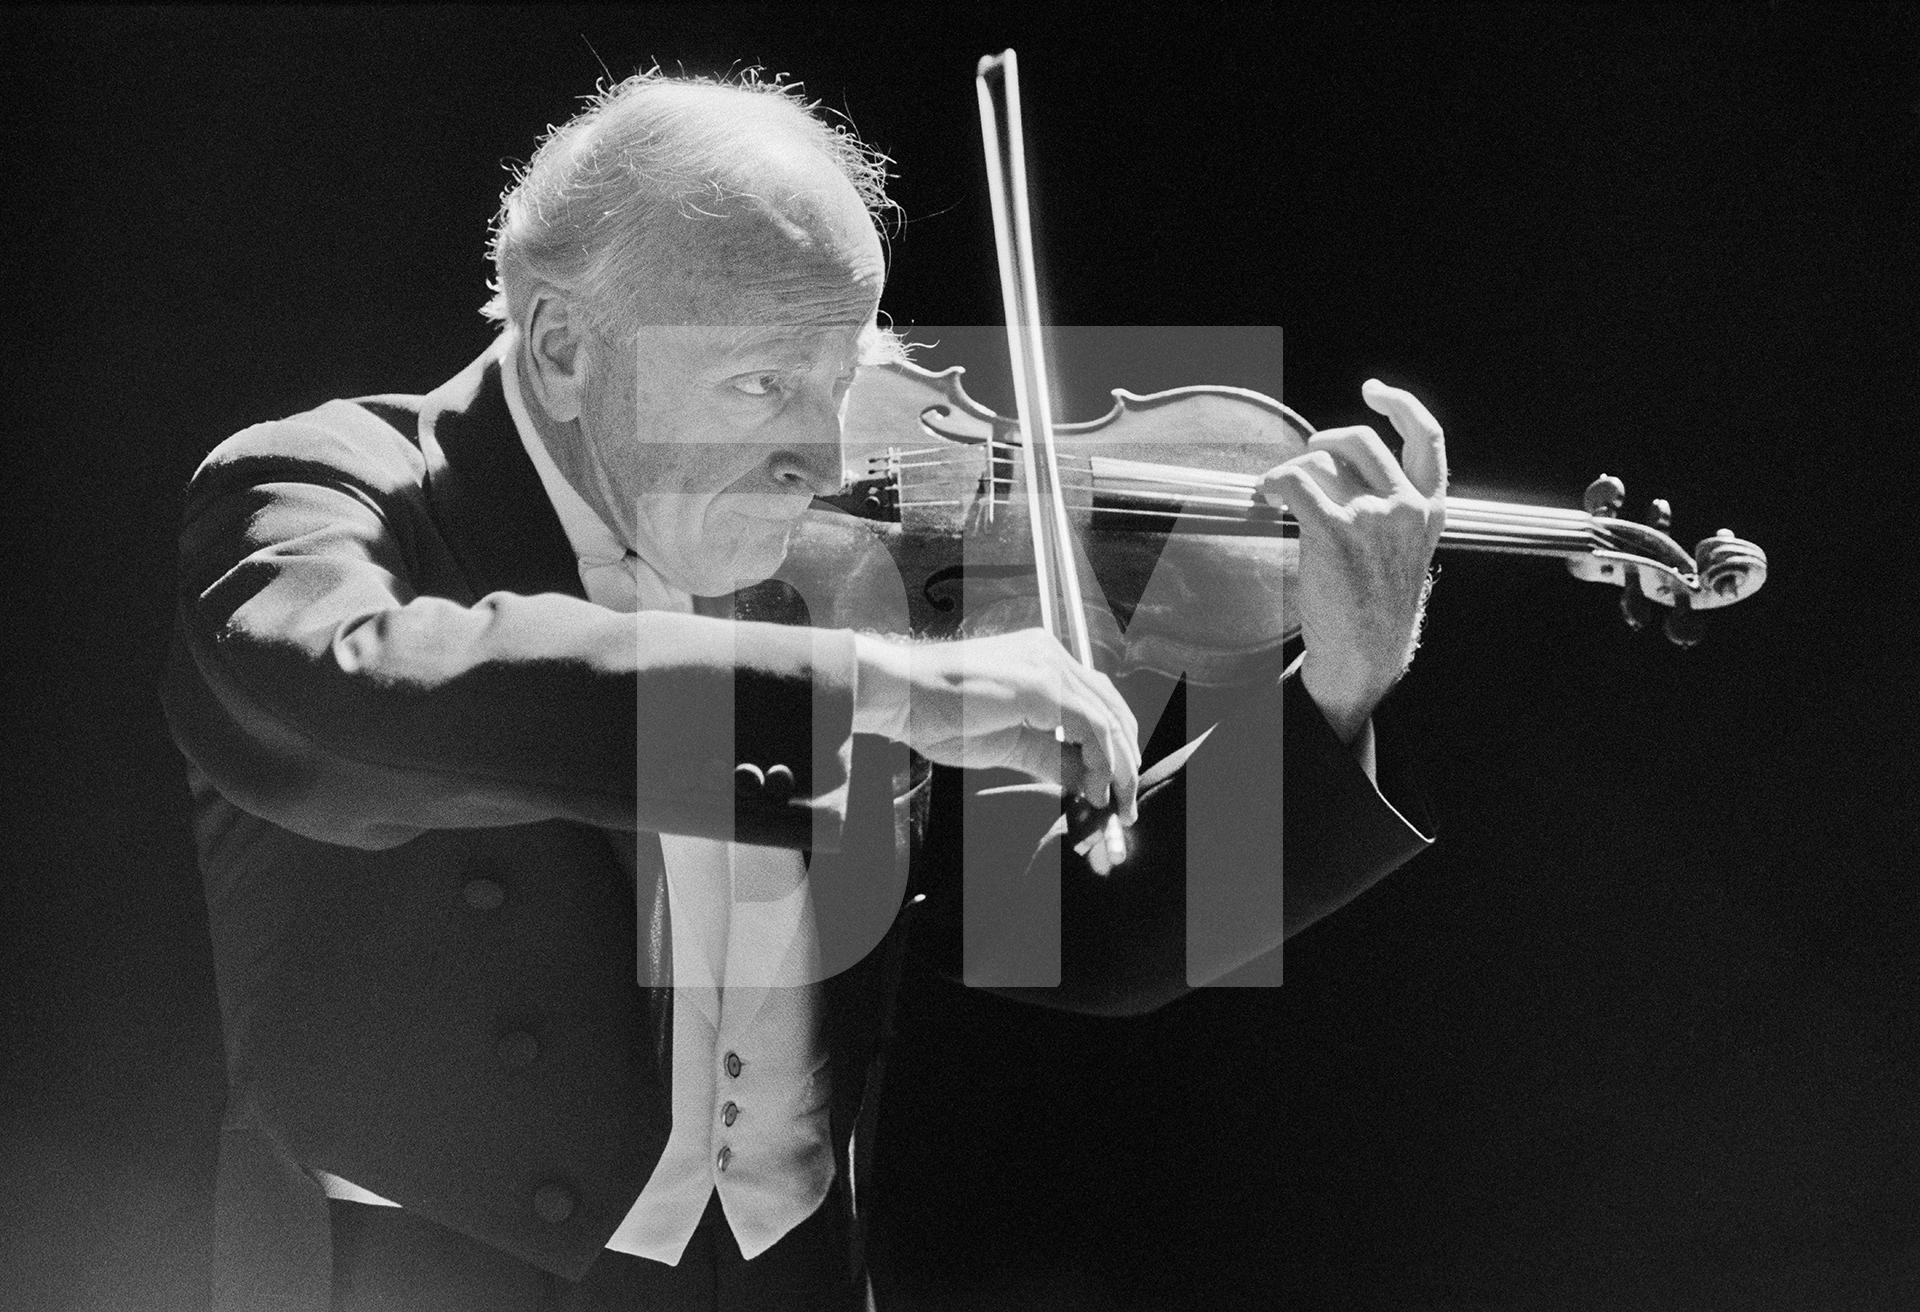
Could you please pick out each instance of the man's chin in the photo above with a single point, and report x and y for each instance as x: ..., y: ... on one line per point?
x: 752, y: 564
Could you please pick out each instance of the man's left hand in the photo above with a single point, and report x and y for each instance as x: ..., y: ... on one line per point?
x: 1368, y: 527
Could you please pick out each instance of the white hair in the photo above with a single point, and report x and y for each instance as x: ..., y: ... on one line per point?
x: 581, y: 215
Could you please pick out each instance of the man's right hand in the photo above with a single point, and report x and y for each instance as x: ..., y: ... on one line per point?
x: 995, y: 703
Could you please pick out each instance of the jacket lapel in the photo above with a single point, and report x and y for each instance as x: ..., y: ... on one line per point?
x: 490, y: 506
x: 486, y: 495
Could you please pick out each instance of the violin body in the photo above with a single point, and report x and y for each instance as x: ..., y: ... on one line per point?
x: 1168, y: 588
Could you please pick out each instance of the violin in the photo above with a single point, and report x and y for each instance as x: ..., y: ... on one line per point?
x: 1184, y: 570
x: 1137, y: 538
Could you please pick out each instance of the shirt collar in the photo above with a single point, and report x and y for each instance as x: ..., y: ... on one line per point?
x: 592, y: 540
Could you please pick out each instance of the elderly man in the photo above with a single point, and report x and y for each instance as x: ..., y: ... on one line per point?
x: 467, y: 719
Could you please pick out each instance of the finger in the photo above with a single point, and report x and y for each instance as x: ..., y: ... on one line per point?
x: 1054, y: 708
x: 1091, y: 737
x: 1125, y: 752
x: 1295, y: 487
x: 1080, y: 699
x: 1112, y: 762
x: 1325, y: 467
x: 1112, y: 758
x: 1360, y: 449
x: 1425, y: 457
x: 1108, y: 758
x: 1092, y: 713
x: 1118, y: 717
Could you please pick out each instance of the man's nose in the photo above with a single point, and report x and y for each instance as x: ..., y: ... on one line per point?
x: 814, y: 466
x: 813, y: 461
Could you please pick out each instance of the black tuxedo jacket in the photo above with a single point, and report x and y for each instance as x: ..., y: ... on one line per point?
x: 427, y: 774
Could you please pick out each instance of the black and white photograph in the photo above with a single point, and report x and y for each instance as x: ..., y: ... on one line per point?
x: 961, y: 658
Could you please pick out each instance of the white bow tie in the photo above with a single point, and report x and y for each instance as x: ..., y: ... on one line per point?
x: 624, y: 582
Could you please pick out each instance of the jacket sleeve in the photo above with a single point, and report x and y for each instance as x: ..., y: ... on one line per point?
x: 332, y: 672
x: 1271, y: 825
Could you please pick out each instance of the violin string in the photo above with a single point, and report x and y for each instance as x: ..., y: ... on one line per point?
x: 1463, y: 509
x: 1470, y: 520
x: 1503, y: 507
x: 1471, y: 513
x: 1114, y: 471
x: 1484, y: 535
x: 1555, y: 544
x: 1284, y: 525
x: 1170, y: 490
x: 1456, y: 507
x: 1517, y: 546
x: 1570, y: 528
x: 1242, y: 493
x: 1115, y: 499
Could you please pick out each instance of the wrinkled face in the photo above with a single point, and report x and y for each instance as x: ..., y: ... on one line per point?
x: 720, y: 425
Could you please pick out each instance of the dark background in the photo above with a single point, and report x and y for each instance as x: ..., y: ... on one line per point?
x: 1640, y: 1032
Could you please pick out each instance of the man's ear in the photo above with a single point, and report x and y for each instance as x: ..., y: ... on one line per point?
x: 557, y: 357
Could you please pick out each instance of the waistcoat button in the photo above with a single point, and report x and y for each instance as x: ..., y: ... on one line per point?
x: 726, y: 1156
x: 484, y: 894
x: 518, y: 1048
x: 730, y: 1113
x: 733, y: 1064
x: 553, y: 1203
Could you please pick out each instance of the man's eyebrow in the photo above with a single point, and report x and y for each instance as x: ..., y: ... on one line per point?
x: 753, y: 338
x: 761, y: 336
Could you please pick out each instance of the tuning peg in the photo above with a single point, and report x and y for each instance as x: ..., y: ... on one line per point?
x: 1634, y: 606
x: 1684, y: 624
x: 1706, y: 553
x: 1659, y: 514
x: 1604, y: 496
x: 1729, y: 569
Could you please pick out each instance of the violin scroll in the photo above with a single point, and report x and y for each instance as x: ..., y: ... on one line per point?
x: 1652, y: 568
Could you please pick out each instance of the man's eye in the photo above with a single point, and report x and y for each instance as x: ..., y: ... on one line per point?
x: 758, y: 384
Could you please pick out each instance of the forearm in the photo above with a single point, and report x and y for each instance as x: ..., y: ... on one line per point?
x: 883, y: 687
x: 314, y: 681
x: 520, y: 709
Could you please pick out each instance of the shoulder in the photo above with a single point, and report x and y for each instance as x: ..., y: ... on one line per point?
x: 372, y: 442
x: 340, y: 440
